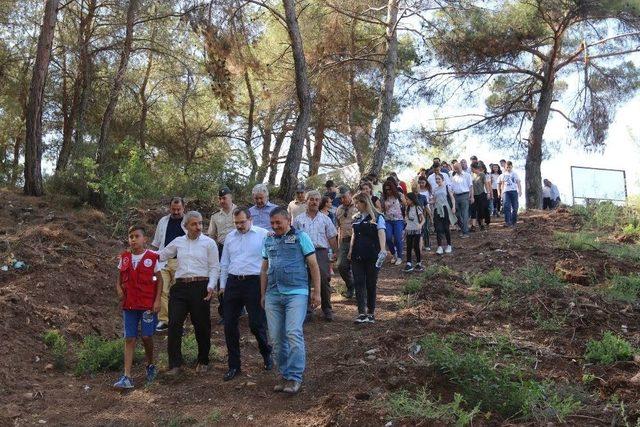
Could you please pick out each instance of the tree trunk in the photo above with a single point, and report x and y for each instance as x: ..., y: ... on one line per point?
x: 85, y: 69
x: 354, y: 131
x: 144, y: 99
x: 294, y: 156
x: 267, y: 136
x: 33, y: 138
x: 248, y: 137
x: 275, y: 155
x: 533, y: 179
x: 68, y: 117
x: 314, y: 161
x: 116, y: 86
x: 383, y: 126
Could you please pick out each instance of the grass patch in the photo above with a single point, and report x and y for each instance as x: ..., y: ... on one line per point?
x: 57, y: 344
x: 95, y: 354
x: 606, y: 215
x: 422, y: 406
x: 630, y: 232
x: 189, y: 351
x: 552, y: 323
x: 578, y: 241
x: 493, y: 385
x: 609, y: 349
x: 623, y: 288
x: 214, y: 416
x: 529, y: 280
x: 413, y: 285
x: 623, y: 252
x: 490, y: 279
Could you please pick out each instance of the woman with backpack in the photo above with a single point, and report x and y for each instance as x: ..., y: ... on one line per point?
x: 414, y: 216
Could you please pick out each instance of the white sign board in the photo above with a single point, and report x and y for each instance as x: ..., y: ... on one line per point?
x: 598, y: 184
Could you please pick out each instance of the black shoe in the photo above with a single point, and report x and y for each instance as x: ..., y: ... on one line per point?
x: 231, y: 374
x: 268, y: 363
x: 328, y: 316
x: 348, y: 294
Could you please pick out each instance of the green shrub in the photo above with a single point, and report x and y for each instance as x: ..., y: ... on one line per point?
x: 96, y: 354
x: 490, y: 279
x: 609, y: 349
x: 578, y: 241
x: 57, y: 344
x: 421, y: 406
x: 413, y: 285
x: 624, y: 252
x: 493, y: 386
x: 531, y: 279
x: 631, y: 232
x: 623, y: 288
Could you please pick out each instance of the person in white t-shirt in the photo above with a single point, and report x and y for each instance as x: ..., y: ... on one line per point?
x: 510, y: 190
x: 495, y: 183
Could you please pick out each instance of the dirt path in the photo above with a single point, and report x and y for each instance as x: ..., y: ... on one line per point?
x: 341, y: 383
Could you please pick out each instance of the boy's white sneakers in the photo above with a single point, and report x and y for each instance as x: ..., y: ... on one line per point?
x: 439, y: 251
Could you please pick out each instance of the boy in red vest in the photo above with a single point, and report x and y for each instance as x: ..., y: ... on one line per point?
x: 139, y: 288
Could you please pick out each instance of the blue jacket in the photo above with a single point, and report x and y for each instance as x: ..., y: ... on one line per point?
x: 287, y: 263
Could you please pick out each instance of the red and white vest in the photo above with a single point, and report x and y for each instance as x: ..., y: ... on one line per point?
x: 138, y: 283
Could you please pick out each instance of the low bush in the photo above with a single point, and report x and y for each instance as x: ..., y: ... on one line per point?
x: 578, y: 241
x: 623, y: 288
x: 96, y: 354
x: 420, y: 405
x: 413, y: 285
x: 529, y: 280
x: 609, y: 349
x: 490, y: 279
x: 57, y: 344
x: 494, y: 386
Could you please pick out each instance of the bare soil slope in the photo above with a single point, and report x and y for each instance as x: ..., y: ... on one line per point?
x: 68, y: 286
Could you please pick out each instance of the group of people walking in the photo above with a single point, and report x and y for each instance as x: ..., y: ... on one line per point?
x: 276, y: 262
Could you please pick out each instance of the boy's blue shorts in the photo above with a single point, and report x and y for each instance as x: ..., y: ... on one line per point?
x: 147, y: 320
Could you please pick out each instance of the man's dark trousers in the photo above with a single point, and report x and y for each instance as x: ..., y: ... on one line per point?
x: 188, y: 298
x: 243, y: 291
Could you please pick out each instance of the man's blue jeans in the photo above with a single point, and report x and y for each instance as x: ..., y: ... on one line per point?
x: 285, y: 317
x: 462, y: 211
x: 393, y: 232
x: 510, y: 207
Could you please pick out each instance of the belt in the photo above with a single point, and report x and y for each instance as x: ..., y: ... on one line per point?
x: 460, y: 194
x: 243, y: 277
x: 192, y: 279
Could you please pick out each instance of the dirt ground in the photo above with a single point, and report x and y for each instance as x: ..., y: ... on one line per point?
x: 69, y: 286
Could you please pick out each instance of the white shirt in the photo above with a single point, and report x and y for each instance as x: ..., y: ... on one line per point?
x: 494, y: 181
x: 461, y: 183
x: 546, y: 192
x: 511, y: 180
x: 242, y: 253
x: 432, y: 179
x: 196, y: 258
x: 161, y: 234
x: 319, y: 228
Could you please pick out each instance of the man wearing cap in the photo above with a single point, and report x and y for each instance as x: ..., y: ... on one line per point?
x: 169, y: 227
x: 322, y: 232
x: 220, y: 226
x: 299, y: 204
x: 344, y: 218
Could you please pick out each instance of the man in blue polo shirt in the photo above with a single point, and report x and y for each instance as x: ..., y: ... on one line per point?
x: 284, y: 285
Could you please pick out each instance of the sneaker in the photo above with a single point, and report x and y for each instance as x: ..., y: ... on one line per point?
x: 439, y: 251
x: 124, y: 383
x: 152, y: 373
x: 464, y: 236
x: 201, y: 369
x: 280, y: 385
x: 292, y: 387
x: 419, y: 267
x: 371, y: 318
x: 428, y: 248
x: 398, y: 261
x: 448, y: 249
x: 362, y: 318
x: 408, y: 268
x: 328, y: 316
x: 162, y: 326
